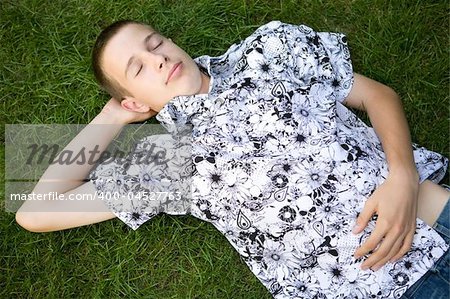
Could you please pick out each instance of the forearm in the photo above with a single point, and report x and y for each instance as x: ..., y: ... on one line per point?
x: 385, y: 111
x: 389, y: 122
x: 94, y: 138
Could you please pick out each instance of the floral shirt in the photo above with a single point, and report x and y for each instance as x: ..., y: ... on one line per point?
x: 282, y: 168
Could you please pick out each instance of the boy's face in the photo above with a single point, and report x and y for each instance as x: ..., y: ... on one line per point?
x: 151, y: 67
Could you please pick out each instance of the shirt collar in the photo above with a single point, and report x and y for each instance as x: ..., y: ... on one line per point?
x: 179, y: 111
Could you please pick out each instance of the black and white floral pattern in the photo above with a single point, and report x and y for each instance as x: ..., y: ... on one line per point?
x: 282, y: 168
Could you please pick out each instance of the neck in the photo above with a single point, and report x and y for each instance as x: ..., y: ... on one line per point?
x: 205, y: 83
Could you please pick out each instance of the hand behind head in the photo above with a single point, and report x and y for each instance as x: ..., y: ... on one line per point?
x: 118, y: 114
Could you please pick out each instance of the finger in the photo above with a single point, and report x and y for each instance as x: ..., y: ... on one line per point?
x: 407, y: 243
x: 395, y: 249
x: 365, y: 216
x: 377, y: 255
x: 375, y: 238
x: 382, y: 252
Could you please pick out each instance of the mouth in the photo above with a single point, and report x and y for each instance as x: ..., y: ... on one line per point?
x: 174, y: 71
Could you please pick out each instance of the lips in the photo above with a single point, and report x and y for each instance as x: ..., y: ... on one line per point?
x: 174, y: 69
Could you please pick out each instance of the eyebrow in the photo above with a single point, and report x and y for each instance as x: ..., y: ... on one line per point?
x: 132, y: 58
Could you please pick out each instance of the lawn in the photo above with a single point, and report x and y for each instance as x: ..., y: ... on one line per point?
x: 46, y: 78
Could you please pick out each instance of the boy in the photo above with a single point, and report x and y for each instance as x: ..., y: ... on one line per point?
x: 272, y: 79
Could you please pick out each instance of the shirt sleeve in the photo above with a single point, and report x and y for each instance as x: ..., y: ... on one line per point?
x: 335, y: 65
x: 322, y: 57
x: 114, y: 186
x: 154, y: 178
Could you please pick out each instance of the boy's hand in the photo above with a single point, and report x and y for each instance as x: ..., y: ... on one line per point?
x: 114, y: 112
x: 395, y: 202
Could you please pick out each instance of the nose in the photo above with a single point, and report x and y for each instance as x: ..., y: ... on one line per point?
x: 156, y: 60
x: 162, y: 59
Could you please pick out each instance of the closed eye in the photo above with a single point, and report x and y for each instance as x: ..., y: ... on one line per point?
x: 154, y: 42
x: 140, y: 69
x: 158, y: 46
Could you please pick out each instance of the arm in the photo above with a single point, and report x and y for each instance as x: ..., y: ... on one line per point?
x: 45, y: 216
x: 385, y: 112
x: 395, y: 201
x: 41, y: 216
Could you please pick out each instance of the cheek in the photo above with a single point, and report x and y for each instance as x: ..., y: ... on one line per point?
x: 138, y: 90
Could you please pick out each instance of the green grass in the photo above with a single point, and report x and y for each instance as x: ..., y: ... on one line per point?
x: 46, y: 78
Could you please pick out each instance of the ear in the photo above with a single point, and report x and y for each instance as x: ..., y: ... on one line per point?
x: 132, y: 105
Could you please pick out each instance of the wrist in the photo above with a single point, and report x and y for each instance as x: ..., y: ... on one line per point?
x: 106, y: 118
x: 408, y: 173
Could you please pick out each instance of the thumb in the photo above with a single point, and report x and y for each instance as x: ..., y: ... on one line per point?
x: 364, y: 217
